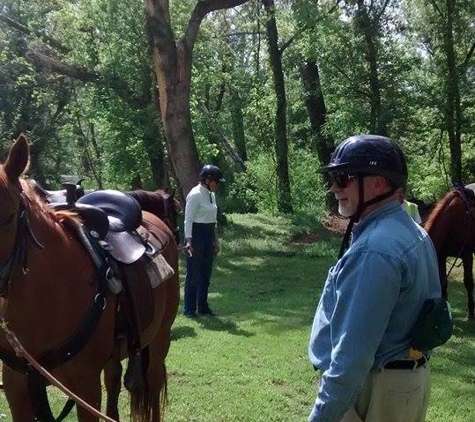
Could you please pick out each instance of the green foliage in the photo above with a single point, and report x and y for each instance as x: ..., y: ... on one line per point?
x: 308, y: 191
x: 98, y: 129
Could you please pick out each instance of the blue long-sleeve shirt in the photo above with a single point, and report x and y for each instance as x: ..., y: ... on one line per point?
x: 370, y: 302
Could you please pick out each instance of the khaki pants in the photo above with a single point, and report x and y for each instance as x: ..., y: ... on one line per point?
x: 392, y: 395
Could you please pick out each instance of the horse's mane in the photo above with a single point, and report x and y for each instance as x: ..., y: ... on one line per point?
x: 3, y: 178
x: 439, y: 209
x: 154, y: 202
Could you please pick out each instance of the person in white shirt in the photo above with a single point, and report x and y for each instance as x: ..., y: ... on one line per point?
x: 201, y: 240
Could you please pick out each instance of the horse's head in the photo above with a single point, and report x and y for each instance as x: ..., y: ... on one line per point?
x: 12, y: 205
x: 172, y: 209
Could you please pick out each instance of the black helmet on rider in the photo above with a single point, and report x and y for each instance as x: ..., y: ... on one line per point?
x: 369, y: 155
x: 211, y: 172
x: 366, y: 155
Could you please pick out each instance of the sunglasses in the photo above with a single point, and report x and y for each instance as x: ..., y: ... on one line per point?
x: 341, y: 179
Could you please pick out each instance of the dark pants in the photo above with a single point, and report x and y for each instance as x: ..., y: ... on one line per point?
x: 199, y: 268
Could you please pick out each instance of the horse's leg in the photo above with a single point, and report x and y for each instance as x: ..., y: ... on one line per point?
x: 17, y: 395
x: 156, y: 374
x: 159, y: 347
x: 89, y: 390
x: 113, y: 383
x: 443, y: 276
x: 468, y: 281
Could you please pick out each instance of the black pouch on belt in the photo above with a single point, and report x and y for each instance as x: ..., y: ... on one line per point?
x: 434, y: 325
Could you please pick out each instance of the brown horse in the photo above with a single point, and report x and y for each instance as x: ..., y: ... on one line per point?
x: 451, y: 226
x: 48, y: 290
x: 161, y: 203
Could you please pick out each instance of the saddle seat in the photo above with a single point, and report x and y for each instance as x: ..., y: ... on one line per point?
x: 123, y: 216
x: 69, y: 194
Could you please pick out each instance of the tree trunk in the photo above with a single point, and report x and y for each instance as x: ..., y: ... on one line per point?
x: 453, y: 112
x: 237, y: 120
x: 317, y: 112
x: 172, y: 64
x: 284, y: 199
x: 369, y: 32
x: 154, y: 147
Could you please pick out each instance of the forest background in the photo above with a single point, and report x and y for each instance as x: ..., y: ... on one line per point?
x: 137, y: 94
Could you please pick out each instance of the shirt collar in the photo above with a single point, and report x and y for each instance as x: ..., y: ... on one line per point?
x: 204, y: 189
x: 379, y: 212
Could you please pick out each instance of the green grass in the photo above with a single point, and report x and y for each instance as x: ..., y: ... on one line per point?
x: 250, y: 363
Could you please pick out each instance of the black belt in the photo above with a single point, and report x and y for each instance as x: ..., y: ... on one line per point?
x: 407, y: 364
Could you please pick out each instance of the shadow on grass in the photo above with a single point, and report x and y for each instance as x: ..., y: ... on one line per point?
x: 278, y: 292
x: 259, y: 228
x: 182, y: 332
x: 216, y: 323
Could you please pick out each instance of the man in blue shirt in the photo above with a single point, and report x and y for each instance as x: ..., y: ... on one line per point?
x: 361, y: 334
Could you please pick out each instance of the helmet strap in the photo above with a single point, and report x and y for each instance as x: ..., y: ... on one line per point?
x: 204, y: 182
x: 359, y: 211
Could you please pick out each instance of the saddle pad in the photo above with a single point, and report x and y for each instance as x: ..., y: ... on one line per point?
x: 159, y: 270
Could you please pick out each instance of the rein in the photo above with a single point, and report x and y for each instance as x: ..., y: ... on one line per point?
x: 19, y: 251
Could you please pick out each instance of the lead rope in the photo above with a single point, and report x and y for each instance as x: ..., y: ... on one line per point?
x: 22, y: 353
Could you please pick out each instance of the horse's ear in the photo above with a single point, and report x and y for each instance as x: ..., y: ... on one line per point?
x: 18, y: 158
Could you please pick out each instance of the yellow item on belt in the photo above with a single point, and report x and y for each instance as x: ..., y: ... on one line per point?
x: 415, y: 354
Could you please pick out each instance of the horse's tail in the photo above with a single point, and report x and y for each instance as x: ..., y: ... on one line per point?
x: 164, y: 393
x: 141, y: 402
x: 141, y: 405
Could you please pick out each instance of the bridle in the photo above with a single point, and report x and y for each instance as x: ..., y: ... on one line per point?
x: 169, y: 218
x: 19, y: 252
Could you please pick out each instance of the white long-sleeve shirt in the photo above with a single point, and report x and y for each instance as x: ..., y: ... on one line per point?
x: 200, y: 207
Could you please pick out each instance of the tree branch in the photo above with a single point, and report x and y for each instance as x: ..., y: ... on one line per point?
x: 161, y: 40
x: 116, y: 84
x: 465, y: 63
x: 158, y: 21
x: 305, y: 27
x: 293, y: 38
x: 24, y: 29
x: 434, y: 4
x: 201, y: 9
x: 383, y: 8
x: 55, y: 66
x: 226, y: 145
x: 363, y: 92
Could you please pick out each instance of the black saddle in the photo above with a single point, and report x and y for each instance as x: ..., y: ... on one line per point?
x: 123, y: 212
x: 68, y: 195
x: 121, y: 218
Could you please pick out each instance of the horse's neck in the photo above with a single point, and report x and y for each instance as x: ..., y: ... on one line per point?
x: 448, y: 221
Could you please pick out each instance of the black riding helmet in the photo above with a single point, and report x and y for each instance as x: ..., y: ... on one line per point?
x: 209, y: 171
x: 365, y: 155
x: 370, y: 154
